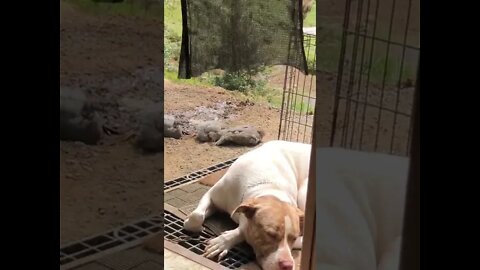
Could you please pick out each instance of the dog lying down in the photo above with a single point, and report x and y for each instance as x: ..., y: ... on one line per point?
x: 264, y: 191
x: 360, y: 200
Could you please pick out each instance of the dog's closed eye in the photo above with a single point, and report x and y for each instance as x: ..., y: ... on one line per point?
x: 272, y: 234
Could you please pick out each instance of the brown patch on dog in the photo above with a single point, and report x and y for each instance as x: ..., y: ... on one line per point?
x: 211, y: 179
x: 266, y: 229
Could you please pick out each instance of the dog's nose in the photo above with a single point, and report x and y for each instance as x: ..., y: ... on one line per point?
x: 285, y: 265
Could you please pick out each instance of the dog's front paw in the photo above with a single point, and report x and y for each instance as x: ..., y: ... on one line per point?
x: 194, y: 222
x: 222, y: 244
x: 217, y: 246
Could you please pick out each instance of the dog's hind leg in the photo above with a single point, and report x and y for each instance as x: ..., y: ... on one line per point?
x: 204, y: 209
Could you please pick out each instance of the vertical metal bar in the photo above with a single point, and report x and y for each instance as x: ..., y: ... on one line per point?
x: 346, y: 21
x: 369, y: 72
x: 284, y: 87
x: 361, y: 75
x: 293, y: 94
x: 288, y: 104
x: 293, y: 109
x: 379, y: 120
x: 303, y: 88
x: 353, y: 68
x: 397, y: 100
x: 295, y: 86
x: 283, y: 99
x: 296, y: 14
x: 310, y: 91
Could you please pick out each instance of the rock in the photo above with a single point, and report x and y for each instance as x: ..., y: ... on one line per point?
x: 171, y: 128
x: 209, y: 131
x: 218, y: 132
x: 175, y: 133
x: 151, y: 126
x: 241, y: 135
x: 78, y: 119
x: 168, y: 121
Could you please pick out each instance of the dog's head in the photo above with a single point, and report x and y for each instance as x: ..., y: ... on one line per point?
x: 272, y: 228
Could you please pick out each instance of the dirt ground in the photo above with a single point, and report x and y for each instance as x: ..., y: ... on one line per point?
x: 117, y: 61
x: 187, y: 155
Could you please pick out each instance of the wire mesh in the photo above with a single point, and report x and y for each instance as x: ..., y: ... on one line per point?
x: 298, y: 101
x: 376, y: 74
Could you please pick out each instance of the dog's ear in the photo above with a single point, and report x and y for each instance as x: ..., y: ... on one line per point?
x: 248, y: 208
x: 301, y: 216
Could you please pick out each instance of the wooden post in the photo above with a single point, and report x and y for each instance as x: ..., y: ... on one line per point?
x: 308, y: 261
x: 410, y: 254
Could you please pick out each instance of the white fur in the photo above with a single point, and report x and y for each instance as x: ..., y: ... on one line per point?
x: 277, y: 168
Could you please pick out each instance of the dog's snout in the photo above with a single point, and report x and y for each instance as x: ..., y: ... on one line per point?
x: 285, y: 265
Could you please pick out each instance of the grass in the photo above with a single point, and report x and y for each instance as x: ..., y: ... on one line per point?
x: 173, y: 17
x: 297, y: 106
x: 197, y: 81
x: 273, y: 97
x: 311, y: 19
x: 172, y: 35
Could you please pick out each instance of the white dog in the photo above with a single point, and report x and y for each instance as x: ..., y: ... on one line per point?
x: 264, y: 191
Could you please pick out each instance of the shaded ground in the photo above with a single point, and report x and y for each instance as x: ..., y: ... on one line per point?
x: 116, y: 61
